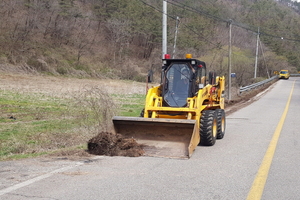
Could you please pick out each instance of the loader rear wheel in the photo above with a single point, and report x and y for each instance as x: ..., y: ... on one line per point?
x: 208, y: 128
x: 221, y: 123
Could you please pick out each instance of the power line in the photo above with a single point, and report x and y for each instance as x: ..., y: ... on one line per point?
x: 157, y: 9
x: 196, y: 33
x: 238, y: 24
x: 189, y: 28
x: 197, y: 11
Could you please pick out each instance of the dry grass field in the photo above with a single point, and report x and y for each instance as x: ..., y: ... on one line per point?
x: 58, y: 115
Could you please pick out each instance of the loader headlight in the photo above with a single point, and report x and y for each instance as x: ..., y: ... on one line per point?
x: 188, y: 56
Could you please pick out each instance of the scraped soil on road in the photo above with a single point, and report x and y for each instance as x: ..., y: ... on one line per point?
x: 114, y: 145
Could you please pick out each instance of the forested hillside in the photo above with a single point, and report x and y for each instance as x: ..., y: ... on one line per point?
x: 122, y: 38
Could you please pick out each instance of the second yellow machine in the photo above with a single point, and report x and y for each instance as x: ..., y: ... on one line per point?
x: 185, y: 110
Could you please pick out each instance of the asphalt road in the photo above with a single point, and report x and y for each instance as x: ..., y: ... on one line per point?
x: 257, y: 159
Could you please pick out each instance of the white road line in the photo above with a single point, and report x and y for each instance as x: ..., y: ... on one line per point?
x: 28, y: 182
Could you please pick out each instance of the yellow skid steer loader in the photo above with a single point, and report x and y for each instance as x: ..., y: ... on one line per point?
x: 185, y: 110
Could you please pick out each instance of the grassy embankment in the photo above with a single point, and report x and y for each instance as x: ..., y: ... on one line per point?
x: 33, y: 124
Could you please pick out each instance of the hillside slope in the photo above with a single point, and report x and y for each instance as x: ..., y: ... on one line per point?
x: 122, y: 39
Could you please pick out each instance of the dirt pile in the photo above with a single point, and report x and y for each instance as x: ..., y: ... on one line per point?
x: 110, y: 144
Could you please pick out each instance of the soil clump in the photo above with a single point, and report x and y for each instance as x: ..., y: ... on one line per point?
x: 110, y: 144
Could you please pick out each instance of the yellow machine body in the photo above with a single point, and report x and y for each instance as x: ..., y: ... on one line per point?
x: 171, y: 131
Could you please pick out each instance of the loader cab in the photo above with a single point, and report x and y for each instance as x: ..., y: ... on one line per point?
x: 181, y: 79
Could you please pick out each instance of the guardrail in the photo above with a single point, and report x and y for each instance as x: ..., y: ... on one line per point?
x: 255, y: 85
x: 295, y: 74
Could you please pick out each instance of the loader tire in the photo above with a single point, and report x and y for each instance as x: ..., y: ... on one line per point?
x: 221, y: 123
x: 208, y: 128
x: 142, y: 113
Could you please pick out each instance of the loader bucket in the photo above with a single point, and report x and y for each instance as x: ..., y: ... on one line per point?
x: 172, y: 138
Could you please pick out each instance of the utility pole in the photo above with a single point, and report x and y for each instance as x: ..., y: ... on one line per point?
x: 262, y: 52
x: 256, y: 56
x: 229, y: 62
x: 175, y: 39
x: 164, y: 29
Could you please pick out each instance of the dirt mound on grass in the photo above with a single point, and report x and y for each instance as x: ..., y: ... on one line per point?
x: 114, y: 145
